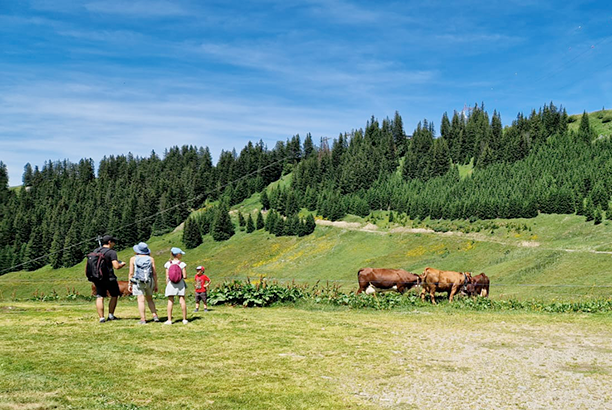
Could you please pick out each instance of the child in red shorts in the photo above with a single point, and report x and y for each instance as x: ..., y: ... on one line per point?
x: 201, y: 287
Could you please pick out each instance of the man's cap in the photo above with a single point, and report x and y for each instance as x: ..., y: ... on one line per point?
x: 142, y: 249
x: 176, y: 251
x: 108, y: 238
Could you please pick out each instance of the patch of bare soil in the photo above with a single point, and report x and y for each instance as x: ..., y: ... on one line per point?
x: 496, y: 366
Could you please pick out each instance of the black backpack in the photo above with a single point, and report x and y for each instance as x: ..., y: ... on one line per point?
x: 96, y: 267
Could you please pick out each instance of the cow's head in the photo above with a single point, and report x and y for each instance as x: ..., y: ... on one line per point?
x: 468, y: 281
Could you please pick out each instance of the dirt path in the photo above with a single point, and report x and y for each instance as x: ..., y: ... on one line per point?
x: 496, y: 366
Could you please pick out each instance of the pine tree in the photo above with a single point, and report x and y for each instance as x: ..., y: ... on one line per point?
x: 263, y: 198
x: 35, y: 252
x: 56, y: 253
x: 259, y: 224
x: 310, y: 224
x: 250, y: 227
x: 585, y: 133
x: 279, y: 226
x: 597, y: 216
x: 241, y: 221
x: 222, y: 226
x: 192, y: 237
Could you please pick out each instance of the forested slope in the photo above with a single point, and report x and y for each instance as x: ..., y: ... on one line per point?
x: 538, y: 164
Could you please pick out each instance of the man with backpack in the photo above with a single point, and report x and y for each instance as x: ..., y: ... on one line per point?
x: 103, y: 276
x: 143, y: 280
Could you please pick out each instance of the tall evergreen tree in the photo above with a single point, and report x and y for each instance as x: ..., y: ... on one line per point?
x: 222, y: 227
x: 250, y: 226
x: 192, y: 238
x: 259, y: 224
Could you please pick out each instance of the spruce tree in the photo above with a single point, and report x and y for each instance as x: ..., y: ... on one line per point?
x: 222, y: 226
x: 310, y: 224
x: 263, y: 198
x: 585, y: 133
x: 192, y: 238
x: 250, y: 226
x: 241, y: 221
x: 597, y: 216
x: 35, y: 253
x: 259, y: 224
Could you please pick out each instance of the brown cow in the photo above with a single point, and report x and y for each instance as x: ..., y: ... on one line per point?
x: 478, y: 286
x: 435, y: 280
x: 389, y: 279
x: 123, y: 288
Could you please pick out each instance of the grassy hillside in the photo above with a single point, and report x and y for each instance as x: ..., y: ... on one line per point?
x: 600, y: 121
x: 548, y: 257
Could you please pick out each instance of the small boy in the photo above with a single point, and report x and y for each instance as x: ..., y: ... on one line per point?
x: 201, y: 287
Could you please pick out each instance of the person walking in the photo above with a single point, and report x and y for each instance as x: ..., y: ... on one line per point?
x: 108, y: 284
x: 201, y: 282
x: 143, y: 280
x: 175, y: 283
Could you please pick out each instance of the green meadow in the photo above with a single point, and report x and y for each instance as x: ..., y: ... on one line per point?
x: 551, y: 257
x: 55, y: 355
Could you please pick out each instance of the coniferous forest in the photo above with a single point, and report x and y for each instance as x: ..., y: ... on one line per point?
x: 533, y: 165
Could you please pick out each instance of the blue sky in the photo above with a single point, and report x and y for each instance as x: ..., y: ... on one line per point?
x: 84, y: 79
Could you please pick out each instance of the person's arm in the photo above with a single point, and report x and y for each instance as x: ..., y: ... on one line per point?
x: 131, y: 272
x: 154, y: 270
x: 118, y: 265
x: 184, y: 273
x: 206, y: 283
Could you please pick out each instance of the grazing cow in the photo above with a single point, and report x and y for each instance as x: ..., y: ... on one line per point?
x: 123, y: 289
x: 435, y: 280
x: 399, y: 280
x: 478, y: 286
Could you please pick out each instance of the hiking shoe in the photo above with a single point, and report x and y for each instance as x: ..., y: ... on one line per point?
x: 142, y: 322
x: 102, y: 320
x: 111, y: 317
x: 168, y: 322
x: 205, y: 310
x: 155, y: 319
x: 185, y: 321
x: 195, y: 310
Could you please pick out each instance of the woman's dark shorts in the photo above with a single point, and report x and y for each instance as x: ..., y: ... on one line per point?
x: 104, y: 286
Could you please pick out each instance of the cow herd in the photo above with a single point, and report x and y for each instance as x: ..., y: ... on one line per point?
x: 431, y: 281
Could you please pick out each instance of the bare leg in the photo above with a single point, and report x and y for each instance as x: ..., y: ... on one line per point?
x: 141, y: 307
x: 100, y: 307
x: 170, y: 306
x: 183, y: 306
x: 112, y: 305
x: 151, y: 304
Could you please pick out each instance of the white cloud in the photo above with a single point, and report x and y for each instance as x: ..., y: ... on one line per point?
x: 138, y: 8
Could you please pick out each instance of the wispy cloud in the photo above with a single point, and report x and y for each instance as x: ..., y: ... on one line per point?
x: 138, y: 8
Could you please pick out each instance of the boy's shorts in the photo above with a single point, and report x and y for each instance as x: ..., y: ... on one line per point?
x: 201, y: 296
x: 110, y: 286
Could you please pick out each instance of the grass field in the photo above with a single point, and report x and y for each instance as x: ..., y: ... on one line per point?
x: 56, y: 355
x: 549, y: 257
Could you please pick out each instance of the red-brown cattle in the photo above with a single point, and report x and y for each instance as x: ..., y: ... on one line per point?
x: 436, y: 280
x: 478, y: 286
x: 123, y: 288
x: 388, y: 279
